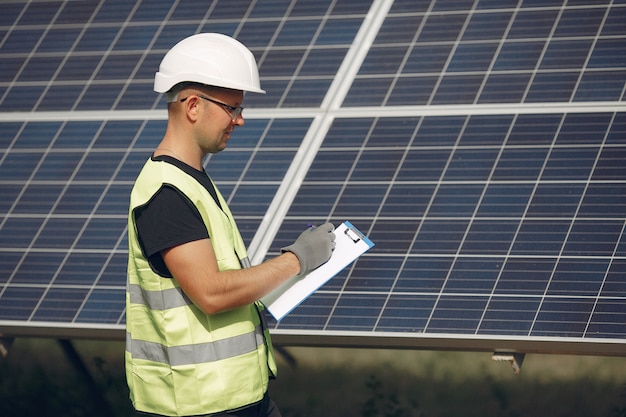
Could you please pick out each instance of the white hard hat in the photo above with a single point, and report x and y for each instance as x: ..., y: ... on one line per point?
x: 211, y: 59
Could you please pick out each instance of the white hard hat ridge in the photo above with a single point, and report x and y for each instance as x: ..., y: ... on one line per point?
x: 212, y: 59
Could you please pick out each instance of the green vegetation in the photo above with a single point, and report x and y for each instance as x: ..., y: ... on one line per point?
x: 436, y: 384
x: 37, y: 379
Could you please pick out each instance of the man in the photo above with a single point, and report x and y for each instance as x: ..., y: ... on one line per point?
x: 196, y: 343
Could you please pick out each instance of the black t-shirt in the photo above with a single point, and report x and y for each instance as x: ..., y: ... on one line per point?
x: 169, y: 219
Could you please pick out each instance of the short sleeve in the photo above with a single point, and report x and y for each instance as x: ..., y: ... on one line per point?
x: 169, y: 219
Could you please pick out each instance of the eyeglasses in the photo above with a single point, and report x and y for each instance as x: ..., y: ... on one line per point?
x: 233, y: 111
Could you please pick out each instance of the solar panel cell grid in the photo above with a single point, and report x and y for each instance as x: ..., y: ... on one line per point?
x: 506, y: 50
x: 101, y: 307
x: 451, y: 234
x: 486, y: 222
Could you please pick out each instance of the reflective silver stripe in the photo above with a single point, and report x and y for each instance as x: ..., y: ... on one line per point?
x: 158, y: 300
x: 197, y: 353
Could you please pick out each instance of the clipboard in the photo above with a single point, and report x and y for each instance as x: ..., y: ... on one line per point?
x: 350, y: 243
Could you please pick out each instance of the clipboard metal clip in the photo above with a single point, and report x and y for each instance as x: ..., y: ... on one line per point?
x: 353, y: 235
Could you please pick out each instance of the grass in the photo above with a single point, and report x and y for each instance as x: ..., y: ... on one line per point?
x: 37, y: 379
x: 435, y: 384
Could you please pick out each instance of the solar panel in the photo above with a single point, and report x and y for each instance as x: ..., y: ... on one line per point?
x: 479, y: 144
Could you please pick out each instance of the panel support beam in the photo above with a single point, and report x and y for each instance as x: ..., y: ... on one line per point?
x: 72, y: 355
x: 451, y: 342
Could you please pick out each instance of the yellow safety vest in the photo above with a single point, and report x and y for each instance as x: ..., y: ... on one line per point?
x: 179, y: 360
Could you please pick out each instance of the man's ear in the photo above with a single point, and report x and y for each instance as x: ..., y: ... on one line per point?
x: 191, y: 107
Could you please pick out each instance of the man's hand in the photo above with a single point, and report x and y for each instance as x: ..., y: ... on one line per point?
x: 313, y: 247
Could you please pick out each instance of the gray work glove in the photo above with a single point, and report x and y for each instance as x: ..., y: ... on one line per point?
x: 313, y: 247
